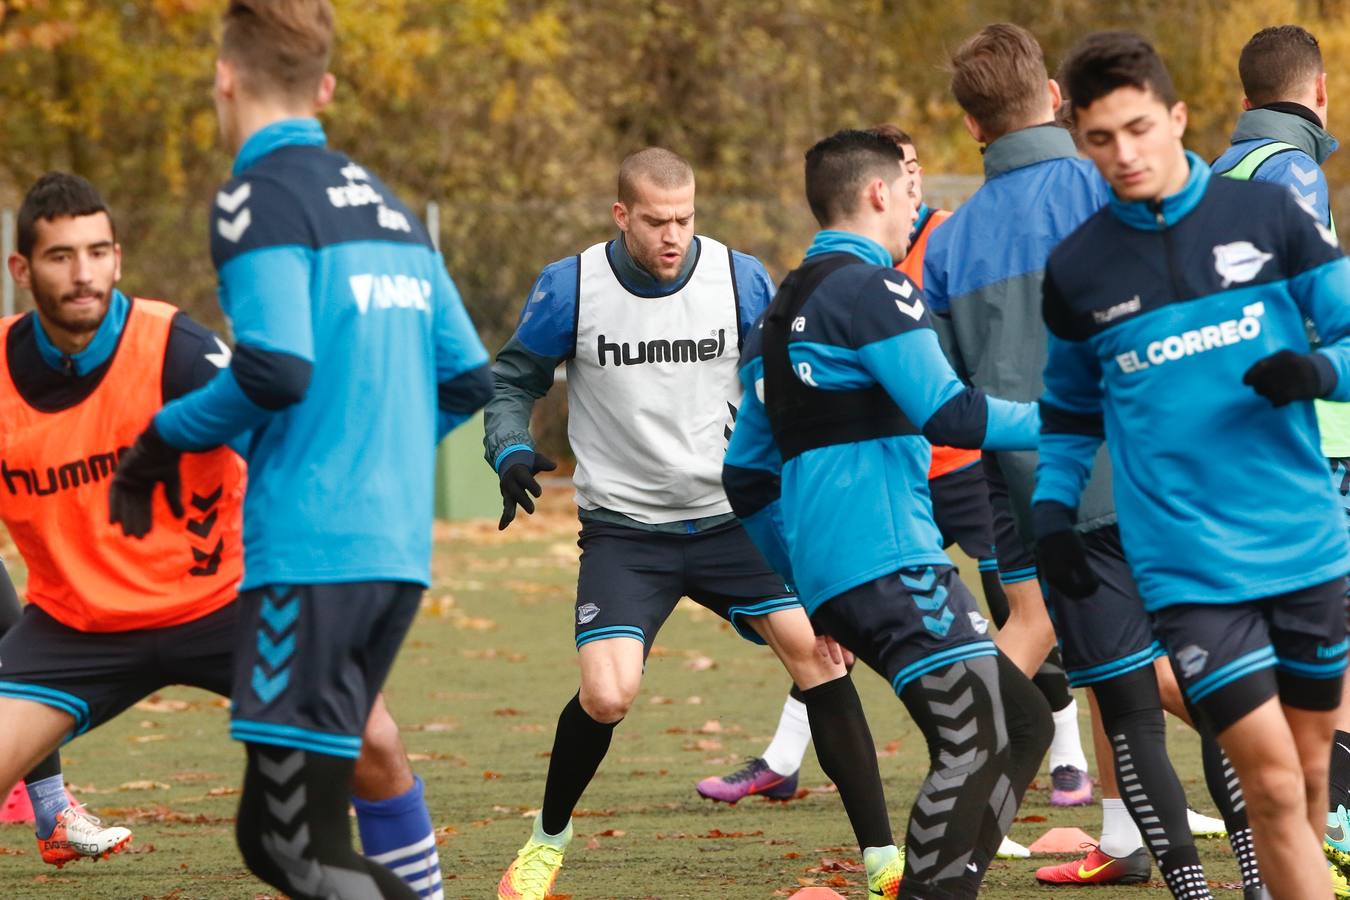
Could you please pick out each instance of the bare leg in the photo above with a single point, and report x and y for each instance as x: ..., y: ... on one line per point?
x: 1028, y: 636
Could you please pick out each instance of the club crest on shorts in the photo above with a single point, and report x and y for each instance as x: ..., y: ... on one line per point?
x: 1239, y: 261
x: 1192, y: 660
x: 586, y: 612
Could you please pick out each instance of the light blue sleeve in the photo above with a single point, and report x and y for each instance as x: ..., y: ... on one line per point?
x: 1305, y: 179
x: 754, y: 289
x: 1321, y: 288
x: 548, y: 320
x: 1071, y: 422
x: 915, y: 372
x: 266, y: 294
x: 462, y: 389
x: 751, y: 472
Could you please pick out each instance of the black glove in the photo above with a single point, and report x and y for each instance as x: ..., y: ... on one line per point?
x: 149, y: 462
x: 1286, y: 376
x: 1060, y: 553
x: 517, y: 473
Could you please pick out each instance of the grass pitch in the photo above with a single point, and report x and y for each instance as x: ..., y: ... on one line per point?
x: 477, y: 690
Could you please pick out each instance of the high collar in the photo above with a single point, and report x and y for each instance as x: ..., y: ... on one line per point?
x: 866, y: 249
x: 1143, y: 214
x: 1027, y: 146
x: 97, y: 351
x: 638, y: 280
x: 925, y: 211
x: 286, y: 133
x: 1277, y: 122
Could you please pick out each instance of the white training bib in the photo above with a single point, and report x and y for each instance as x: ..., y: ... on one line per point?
x: 652, y: 389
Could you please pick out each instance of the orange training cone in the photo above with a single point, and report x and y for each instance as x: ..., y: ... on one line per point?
x: 1062, y: 840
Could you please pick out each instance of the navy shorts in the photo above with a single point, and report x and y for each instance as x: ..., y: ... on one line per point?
x: 908, y: 623
x: 961, y: 511
x: 631, y: 579
x: 311, y: 659
x: 1016, y: 562
x: 94, y: 675
x: 1107, y: 634
x: 1232, y: 657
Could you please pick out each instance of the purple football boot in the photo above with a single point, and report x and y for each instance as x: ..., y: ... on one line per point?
x: 755, y: 778
x: 1070, y: 786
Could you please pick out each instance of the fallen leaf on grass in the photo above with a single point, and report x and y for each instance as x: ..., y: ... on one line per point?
x: 719, y: 834
x: 833, y: 864
x: 892, y: 748
x: 712, y: 726
x: 705, y: 745
x: 491, y: 776
x: 528, y: 728
x: 474, y: 623
x: 142, y: 786
x: 5, y: 851
x: 611, y: 832
x: 792, y: 855
x: 148, y: 739
x: 157, y: 704
x: 1029, y: 819
x: 194, y: 776
x: 694, y: 701
x: 506, y: 711
x: 225, y: 791
x: 434, y: 726
x: 657, y: 700
x: 701, y: 664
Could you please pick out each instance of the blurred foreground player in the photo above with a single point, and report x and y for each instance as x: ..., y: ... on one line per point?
x: 354, y: 357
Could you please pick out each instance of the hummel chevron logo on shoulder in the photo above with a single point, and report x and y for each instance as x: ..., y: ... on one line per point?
x: 913, y: 310
x: 233, y: 230
x: 232, y: 201
x: 221, y: 358
x: 1305, y: 178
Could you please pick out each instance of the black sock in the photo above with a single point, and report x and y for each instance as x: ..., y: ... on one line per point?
x: 1053, y: 683
x: 1339, y: 775
x: 579, y: 745
x: 1133, y: 719
x: 294, y: 831
x: 49, y: 766
x: 849, y: 758
x: 1224, y: 789
x: 994, y: 597
x: 1184, y: 875
x: 967, y: 802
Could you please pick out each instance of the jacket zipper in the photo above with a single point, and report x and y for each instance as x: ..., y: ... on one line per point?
x: 1155, y: 206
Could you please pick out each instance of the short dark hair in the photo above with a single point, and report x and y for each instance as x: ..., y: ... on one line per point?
x: 999, y: 77
x: 1277, y: 62
x: 282, y: 47
x: 664, y: 168
x: 839, y: 165
x: 54, y: 196
x: 1108, y: 60
x: 897, y: 135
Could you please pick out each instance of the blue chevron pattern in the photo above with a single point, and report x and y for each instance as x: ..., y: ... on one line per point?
x: 929, y: 596
x: 278, y: 613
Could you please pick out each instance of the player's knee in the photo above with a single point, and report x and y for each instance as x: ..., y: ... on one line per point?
x: 608, y: 702
x: 380, y: 740
x: 1274, y: 789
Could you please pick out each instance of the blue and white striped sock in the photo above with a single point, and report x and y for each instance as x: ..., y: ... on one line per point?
x: 48, y: 798
x: 397, y: 833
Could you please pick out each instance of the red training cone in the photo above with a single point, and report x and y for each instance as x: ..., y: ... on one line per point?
x: 16, y: 809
